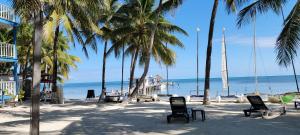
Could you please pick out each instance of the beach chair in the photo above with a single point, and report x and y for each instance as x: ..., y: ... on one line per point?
x: 257, y: 106
x: 179, y: 109
x: 90, y: 94
x: 285, y: 99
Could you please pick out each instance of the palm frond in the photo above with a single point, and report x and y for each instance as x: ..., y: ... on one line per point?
x: 289, y: 39
x: 260, y: 6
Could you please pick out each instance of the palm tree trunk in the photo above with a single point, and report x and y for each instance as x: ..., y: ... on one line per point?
x: 36, y: 79
x: 24, y: 73
x: 132, y: 68
x: 103, y: 72
x: 123, y: 60
x: 55, y: 47
x: 141, y: 80
x: 130, y: 72
x: 148, y: 53
x: 208, y: 53
x: 295, y: 75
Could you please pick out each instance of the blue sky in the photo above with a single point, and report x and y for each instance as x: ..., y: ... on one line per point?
x: 193, y: 14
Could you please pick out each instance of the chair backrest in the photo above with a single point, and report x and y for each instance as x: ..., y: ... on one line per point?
x: 287, y: 98
x: 257, y: 103
x: 178, y: 105
x: 90, y: 94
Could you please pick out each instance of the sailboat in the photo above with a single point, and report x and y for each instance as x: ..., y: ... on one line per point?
x: 225, y: 81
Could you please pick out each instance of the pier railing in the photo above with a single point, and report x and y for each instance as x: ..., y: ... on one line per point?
x: 7, y: 13
x: 7, y: 50
x: 8, y: 86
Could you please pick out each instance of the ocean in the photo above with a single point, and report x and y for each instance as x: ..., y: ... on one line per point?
x: 183, y: 87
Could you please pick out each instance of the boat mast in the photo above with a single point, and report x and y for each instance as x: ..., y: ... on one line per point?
x: 225, y: 55
x: 254, y: 55
x: 198, y: 29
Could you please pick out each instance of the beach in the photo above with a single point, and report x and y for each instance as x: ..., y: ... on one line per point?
x: 146, y: 118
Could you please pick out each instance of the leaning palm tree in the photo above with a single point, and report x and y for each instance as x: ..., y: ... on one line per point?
x: 33, y: 10
x: 288, y: 40
x: 106, y: 16
x: 163, y: 7
x: 230, y: 7
x: 135, y: 31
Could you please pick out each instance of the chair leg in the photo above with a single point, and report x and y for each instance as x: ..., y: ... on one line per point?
x: 187, y: 119
x: 203, y: 115
x: 283, y: 110
x: 193, y: 115
x: 169, y: 118
x: 246, y: 113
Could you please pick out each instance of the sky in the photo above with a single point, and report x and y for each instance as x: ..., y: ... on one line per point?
x: 193, y: 14
x: 189, y: 16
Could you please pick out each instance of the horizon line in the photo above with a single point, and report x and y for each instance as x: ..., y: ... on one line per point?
x: 186, y: 79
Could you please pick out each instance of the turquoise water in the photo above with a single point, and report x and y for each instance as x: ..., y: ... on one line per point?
x: 183, y: 87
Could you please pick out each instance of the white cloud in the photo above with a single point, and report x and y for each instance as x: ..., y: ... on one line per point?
x: 265, y: 42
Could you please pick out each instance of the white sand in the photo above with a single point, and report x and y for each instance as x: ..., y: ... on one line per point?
x: 145, y: 118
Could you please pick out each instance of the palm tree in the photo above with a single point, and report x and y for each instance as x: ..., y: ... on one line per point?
x: 65, y: 61
x: 230, y: 7
x: 162, y: 7
x: 288, y: 40
x: 24, y: 48
x: 33, y: 9
x: 71, y: 15
x: 106, y: 18
x: 37, y: 11
x: 137, y: 25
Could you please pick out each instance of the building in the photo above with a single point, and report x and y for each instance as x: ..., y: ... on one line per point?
x: 8, y: 52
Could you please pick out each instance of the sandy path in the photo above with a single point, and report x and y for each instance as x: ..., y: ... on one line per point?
x: 144, y: 118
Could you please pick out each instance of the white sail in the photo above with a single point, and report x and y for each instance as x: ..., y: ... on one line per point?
x: 224, y: 64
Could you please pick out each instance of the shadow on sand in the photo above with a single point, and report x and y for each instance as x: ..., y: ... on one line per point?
x: 150, y: 118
